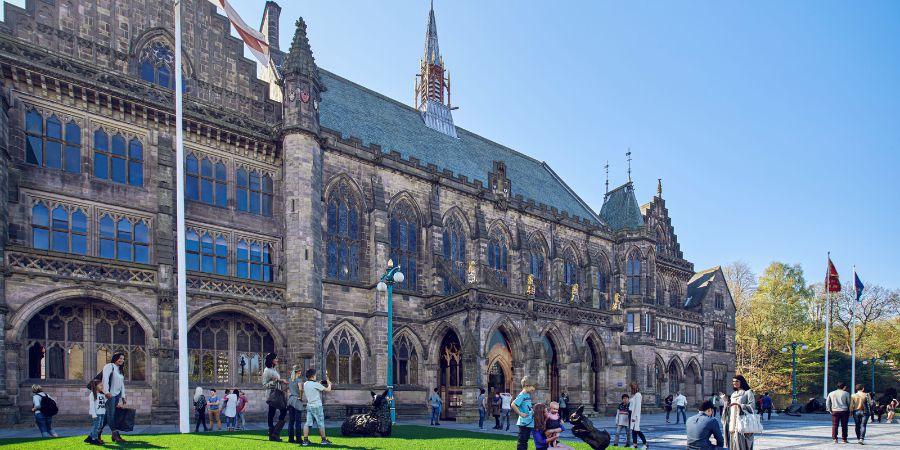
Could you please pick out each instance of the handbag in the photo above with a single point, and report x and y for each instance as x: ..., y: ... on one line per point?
x: 749, y: 423
x: 124, y: 419
x: 277, y: 399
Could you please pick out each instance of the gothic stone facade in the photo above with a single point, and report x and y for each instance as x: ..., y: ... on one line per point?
x: 297, y: 194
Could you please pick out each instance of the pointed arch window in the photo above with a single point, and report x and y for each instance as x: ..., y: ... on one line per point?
x: 157, y: 61
x: 454, y: 253
x: 254, y: 191
x: 633, y: 274
x: 404, y: 243
x: 535, y: 257
x: 228, y: 348
x: 406, y: 361
x: 206, y: 181
x: 343, y: 360
x: 570, y: 269
x: 498, y: 258
x: 117, y: 160
x: 343, y: 235
x: 255, y: 261
x: 124, y: 240
x: 46, y: 145
x: 674, y: 295
x: 660, y: 241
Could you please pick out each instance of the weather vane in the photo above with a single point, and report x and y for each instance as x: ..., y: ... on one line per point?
x: 628, y: 156
x: 607, y: 175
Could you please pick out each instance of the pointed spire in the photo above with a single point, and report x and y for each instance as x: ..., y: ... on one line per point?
x: 432, y: 50
x: 300, y: 59
x: 432, y: 92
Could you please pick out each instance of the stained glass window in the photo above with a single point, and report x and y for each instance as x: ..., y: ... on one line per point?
x: 404, y: 243
x: 343, y: 237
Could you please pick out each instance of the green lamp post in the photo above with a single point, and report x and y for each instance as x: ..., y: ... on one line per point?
x: 391, y: 275
x: 784, y: 349
x: 871, y: 361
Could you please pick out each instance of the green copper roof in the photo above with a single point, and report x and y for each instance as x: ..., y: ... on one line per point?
x: 620, y: 209
x: 353, y: 110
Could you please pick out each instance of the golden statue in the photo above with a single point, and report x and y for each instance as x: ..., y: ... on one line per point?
x: 574, y: 297
x: 617, y: 302
x: 471, y: 273
x: 529, y: 286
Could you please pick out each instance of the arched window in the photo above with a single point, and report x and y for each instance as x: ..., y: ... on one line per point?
x: 404, y: 243
x: 47, y: 146
x: 660, y: 237
x: 206, y: 181
x: 117, y: 161
x: 254, y: 191
x: 157, y: 61
x: 498, y: 257
x: 454, y: 252
x: 535, y: 257
x: 570, y: 269
x: 342, y: 359
x: 551, y: 363
x: 254, y: 261
x: 124, y: 240
x: 73, y: 340
x: 60, y: 231
x: 674, y: 295
x: 406, y: 361
x: 343, y: 236
x: 660, y: 291
x: 633, y: 274
x: 206, y: 252
x: 228, y: 348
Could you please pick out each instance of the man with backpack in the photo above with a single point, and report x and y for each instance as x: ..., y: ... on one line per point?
x: 44, y: 409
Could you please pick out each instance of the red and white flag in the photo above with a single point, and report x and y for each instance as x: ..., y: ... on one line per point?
x: 255, y: 41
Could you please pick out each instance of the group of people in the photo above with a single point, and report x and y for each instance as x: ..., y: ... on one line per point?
x: 499, y: 405
x: 540, y: 422
x: 861, y: 406
x: 231, y: 405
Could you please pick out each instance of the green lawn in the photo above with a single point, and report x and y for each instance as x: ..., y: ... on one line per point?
x: 404, y: 437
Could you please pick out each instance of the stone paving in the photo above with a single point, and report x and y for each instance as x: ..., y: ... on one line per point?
x: 812, y: 431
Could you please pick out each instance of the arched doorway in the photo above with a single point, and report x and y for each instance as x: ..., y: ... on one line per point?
x: 691, y: 379
x: 597, y: 396
x: 450, y: 375
x: 660, y: 374
x: 552, y: 367
x: 674, y: 378
x: 499, y: 359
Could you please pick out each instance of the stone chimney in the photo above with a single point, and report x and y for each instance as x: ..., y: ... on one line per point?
x: 269, y: 25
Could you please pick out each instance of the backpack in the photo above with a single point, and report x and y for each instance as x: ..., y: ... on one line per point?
x: 200, y: 403
x: 48, y: 406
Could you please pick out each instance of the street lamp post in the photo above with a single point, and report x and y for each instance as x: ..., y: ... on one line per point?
x: 391, y: 275
x: 871, y: 361
x: 784, y: 349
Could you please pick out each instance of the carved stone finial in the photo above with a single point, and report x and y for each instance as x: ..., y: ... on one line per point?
x: 659, y: 187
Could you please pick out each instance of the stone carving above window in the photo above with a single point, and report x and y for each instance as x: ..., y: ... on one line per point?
x: 74, y: 269
x: 235, y: 289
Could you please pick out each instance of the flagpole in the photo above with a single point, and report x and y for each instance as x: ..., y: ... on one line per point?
x: 184, y: 425
x: 827, y: 325
x: 853, y: 338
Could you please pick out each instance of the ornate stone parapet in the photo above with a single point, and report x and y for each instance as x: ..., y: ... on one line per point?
x: 75, y: 267
x: 201, y: 285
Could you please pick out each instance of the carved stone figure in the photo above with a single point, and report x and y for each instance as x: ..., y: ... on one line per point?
x: 376, y: 422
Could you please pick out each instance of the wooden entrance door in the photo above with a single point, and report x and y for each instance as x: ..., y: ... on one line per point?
x: 450, y: 375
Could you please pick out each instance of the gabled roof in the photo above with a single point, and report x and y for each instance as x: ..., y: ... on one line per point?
x: 620, y: 209
x: 698, y: 286
x: 353, y: 110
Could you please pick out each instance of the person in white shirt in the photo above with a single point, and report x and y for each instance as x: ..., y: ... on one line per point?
x: 230, y: 411
x: 114, y: 389
x: 312, y: 391
x: 505, y: 401
x: 680, y: 403
x: 97, y: 410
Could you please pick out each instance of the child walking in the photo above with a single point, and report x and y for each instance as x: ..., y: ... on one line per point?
x: 623, y: 418
x: 97, y: 409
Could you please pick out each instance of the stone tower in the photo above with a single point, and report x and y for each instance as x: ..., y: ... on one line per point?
x: 303, y: 210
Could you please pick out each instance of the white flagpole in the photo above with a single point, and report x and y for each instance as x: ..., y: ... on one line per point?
x: 827, y: 325
x: 184, y: 425
x: 853, y: 337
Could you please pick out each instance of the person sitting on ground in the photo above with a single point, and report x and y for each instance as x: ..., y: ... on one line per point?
x: 315, y: 413
x: 703, y: 426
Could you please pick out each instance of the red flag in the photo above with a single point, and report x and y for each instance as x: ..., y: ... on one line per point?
x: 832, y: 281
x: 255, y: 41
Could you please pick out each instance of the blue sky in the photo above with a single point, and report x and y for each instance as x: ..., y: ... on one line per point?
x: 774, y: 125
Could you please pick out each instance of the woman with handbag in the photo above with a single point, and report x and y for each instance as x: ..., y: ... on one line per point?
x: 740, y: 418
x: 276, y: 399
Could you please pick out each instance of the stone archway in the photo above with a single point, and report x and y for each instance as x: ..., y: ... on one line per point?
x: 675, y: 377
x: 692, y: 383
x: 551, y: 365
x: 596, y: 386
x: 500, y: 362
x: 450, y: 374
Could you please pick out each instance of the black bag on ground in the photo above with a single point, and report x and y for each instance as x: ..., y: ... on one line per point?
x: 277, y: 399
x: 124, y: 419
x: 48, y: 406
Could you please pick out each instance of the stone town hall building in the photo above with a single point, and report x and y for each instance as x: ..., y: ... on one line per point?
x: 298, y: 193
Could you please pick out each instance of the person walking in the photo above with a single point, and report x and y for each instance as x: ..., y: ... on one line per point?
x: 505, y: 405
x: 200, y: 409
x: 680, y: 405
x: 495, y: 409
x: 564, y: 406
x: 838, y: 404
x: 43, y: 419
x: 766, y: 406
x: 214, y: 405
x: 114, y: 388
x: 230, y: 410
x: 315, y: 414
x: 634, y: 405
x: 668, y: 406
x: 717, y: 404
x: 622, y: 421
x: 742, y: 401
x: 241, y: 405
x: 723, y: 400
x: 295, y: 388
x: 482, y: 408
x: 436, y: 404
x: 523, y: 408
x: 271, y: 380
x: 97, y: 410
x: 860, y: 408
x: 703, y: 426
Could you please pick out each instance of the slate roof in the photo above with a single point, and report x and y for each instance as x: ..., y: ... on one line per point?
x: 353, y: 110
x: 620, y: 209
x: 698, y: 285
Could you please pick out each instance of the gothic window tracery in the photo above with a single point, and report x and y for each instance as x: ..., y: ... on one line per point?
x: 75, y: 339
x: 406, y: 361
x: 206, y: 181
x: 118, y: 161
x: 206, y: 252
x: 46, y: 145
x: 124, y: 239
x: 498, y: 257
x: 343, y: 236
x: 633, y: 274
x: 404, y: 243
x: 535, y: 256
x: 228, y: 348
x: 570, y: 268
x: 454, y: 251
x: 157, y: 62
x: 255, y: 260
x: 254, y: 191
x: 62, y: 229
x: 674, y: 295
x: 343, y: 360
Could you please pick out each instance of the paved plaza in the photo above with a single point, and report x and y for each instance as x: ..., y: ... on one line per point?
x: 811, y: 431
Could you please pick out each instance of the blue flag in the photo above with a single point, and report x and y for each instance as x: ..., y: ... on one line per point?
x: 857, y: 286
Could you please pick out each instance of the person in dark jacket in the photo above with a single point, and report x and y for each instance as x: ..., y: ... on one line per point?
x: 765, y: 405
x: 668, y: 406
x: 703, y: 426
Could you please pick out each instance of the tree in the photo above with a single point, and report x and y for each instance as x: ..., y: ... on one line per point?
x: 741, y: 282
x: 876, y: 303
